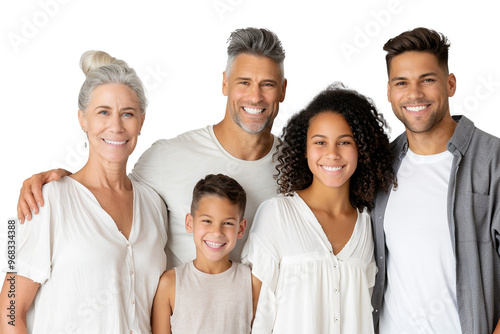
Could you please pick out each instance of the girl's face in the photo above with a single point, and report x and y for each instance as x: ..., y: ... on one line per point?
x: 332, y: 153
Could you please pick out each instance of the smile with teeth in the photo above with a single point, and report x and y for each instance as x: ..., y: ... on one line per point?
x: 253, y: 111
x: 331, y: 168
x: 417, y: 108
x: 117, y: 143
x: 214, y: 244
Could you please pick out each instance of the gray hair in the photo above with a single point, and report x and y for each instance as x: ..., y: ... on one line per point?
x: 256, y: 42
x: 100, y: 69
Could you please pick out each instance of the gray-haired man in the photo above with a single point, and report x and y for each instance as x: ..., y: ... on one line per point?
x: 240, y: 146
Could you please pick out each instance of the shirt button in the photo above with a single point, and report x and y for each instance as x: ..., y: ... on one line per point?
x: 133, y: 302
x: 130, y: 331
x: 131, y: 272
x: 128, y: 245
x: 336, y: 290
x: 337, y: 319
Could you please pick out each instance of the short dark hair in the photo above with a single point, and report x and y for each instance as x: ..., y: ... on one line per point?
x: 222, y: 186
x: 421, y: 40
x: 374, y: 169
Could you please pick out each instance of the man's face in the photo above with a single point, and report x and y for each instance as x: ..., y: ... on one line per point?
x: 418, y: 90
x: 254, y: 90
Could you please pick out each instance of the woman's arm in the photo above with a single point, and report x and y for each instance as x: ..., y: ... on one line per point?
x: 256, y: 285
x: 15, y: 300
x: 163, y: 303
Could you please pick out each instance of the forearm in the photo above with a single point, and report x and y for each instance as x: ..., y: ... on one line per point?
x: 12, y: 319
x: 15, y: 299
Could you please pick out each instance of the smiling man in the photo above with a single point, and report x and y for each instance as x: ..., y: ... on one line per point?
x: 240, y: 146
x: 437, y: 233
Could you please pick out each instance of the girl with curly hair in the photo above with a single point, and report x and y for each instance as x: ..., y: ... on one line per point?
x: 311, y: 247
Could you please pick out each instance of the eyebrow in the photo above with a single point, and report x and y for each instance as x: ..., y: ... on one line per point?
x: 108, y: 107
x: 420, y: 77
x: 339, y: 137
x: 208, y: 216
x: 249, y: 79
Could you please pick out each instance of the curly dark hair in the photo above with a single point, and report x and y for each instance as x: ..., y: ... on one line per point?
x: 374, y: 170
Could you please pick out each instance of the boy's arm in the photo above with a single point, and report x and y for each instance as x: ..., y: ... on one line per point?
x: 16, y: 297
x: 163, y: 303
x: 256, y: 285
x: 31, y: 192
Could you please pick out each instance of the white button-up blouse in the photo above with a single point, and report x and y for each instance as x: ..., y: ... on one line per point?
x: 93, y: 279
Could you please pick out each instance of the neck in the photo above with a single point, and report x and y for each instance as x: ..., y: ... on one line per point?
x: 242, y: 144
x: 433, y: 141
x: 108, y: 175
x: 327, y: 199
x: 211, y: 267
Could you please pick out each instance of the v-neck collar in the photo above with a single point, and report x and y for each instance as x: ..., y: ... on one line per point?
x: 110, y: 223
x: 346, y: 251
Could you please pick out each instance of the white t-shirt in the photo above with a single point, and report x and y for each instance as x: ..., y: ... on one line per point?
x: 421, y: 269
x: 93, y: 280
x: 172, y: 167
x: 305, y: 287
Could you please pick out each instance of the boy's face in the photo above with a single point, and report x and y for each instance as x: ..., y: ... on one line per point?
x: 216, y: 225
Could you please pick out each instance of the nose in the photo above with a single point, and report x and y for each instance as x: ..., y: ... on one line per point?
x: 216, y: 229
x: 116, y: 122
x: 414, y: 92
x: 333, y: 152
x: 255, y: 94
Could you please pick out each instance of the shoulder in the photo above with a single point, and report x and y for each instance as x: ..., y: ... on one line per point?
x: 192, y: 136
x: 398, y: 143
x: 164, y: 145
x: 167, y: 280
x: 62, y: 189
x: 242, y: 268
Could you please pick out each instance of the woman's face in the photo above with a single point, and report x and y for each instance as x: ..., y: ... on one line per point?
x: 332, y: 153
x: 113, y: 121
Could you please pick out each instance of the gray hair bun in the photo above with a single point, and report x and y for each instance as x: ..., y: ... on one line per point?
x: 92, y: 60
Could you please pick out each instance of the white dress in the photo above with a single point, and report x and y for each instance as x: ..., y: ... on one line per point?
x: 172, y: 167
x: 305, y: 287
x: 93, y: 280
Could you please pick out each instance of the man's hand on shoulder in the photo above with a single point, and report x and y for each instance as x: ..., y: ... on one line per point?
x: 30, y: 197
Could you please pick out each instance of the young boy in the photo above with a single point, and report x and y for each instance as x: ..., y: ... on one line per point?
x: 210, y: 294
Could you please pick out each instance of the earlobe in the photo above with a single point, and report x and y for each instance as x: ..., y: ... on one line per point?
x: 243, y: 226
x: 189, y: 223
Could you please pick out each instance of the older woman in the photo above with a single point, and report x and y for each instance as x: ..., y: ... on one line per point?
x: 91, y: 261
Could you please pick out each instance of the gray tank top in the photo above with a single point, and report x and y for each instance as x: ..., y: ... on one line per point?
x: 206, y: 303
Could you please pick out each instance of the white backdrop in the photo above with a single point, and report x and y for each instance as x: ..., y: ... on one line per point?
x: 179, y: 50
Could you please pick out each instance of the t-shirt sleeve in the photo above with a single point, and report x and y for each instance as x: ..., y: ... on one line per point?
x: 148, y: 169
x: 35, y: 243
x: 261, y: 253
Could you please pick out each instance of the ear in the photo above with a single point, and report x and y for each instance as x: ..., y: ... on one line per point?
x: 388, y: 91
x: 82, y: 119
x: 189, y: 223
x: 283, y: 90
x: 224, y: 84
x: 243, y: 227
x: 452, y: 84
x: 143, y: 118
